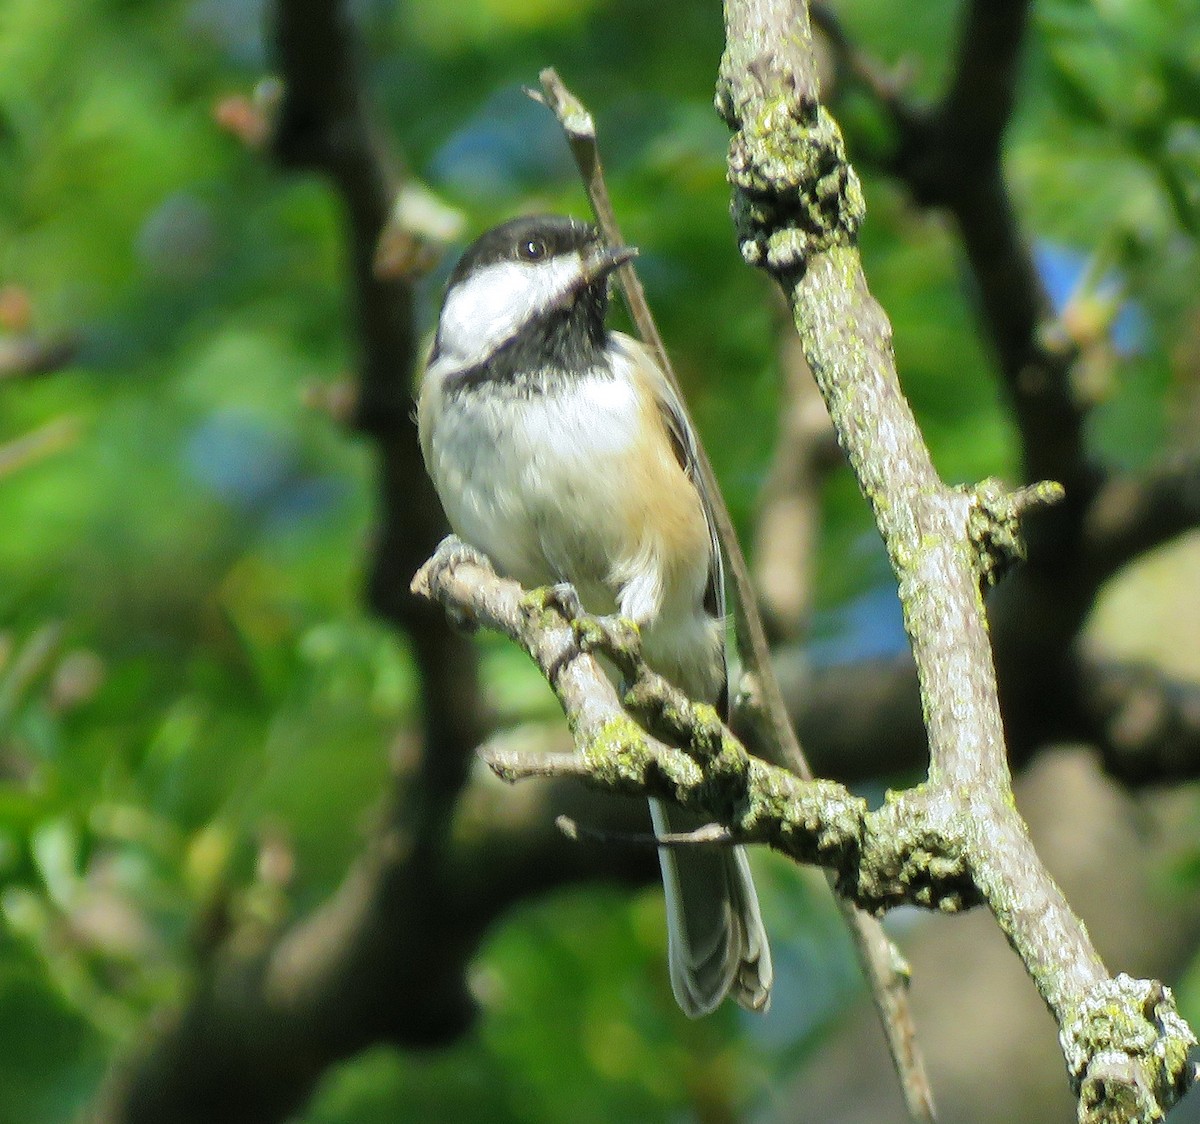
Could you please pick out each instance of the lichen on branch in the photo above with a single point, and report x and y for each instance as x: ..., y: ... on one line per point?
x: 796, y: 193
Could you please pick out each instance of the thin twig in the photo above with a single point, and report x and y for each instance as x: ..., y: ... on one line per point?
x: 887, y: 85
x: 1133, y: 514
x: 706, y: 835
x: 876, y: 952
x: 753, y: 648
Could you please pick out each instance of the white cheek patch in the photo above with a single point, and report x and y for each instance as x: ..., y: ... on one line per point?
x: 493, y: 304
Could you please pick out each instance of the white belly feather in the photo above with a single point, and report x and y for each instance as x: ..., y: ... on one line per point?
x: 535, y: 485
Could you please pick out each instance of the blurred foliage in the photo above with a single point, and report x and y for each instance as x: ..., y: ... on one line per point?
x: 193, y: 705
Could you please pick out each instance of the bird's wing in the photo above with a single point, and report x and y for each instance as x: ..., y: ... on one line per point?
x: 683, y: 441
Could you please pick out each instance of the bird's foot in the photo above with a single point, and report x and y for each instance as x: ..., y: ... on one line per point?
x: 451, y: 553
x: 617, y: 637
x: 563, y: 597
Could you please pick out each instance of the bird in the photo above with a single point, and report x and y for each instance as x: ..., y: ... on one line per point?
x: 560, y: 450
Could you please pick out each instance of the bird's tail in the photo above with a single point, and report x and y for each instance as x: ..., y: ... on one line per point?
x: 716, y: 941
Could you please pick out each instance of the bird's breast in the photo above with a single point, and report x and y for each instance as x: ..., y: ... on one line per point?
x: 534, y: 480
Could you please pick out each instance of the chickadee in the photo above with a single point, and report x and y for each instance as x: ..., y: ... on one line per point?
x: 560, y: 450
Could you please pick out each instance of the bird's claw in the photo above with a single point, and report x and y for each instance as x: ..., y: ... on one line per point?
x: 614, y: 636
x: 565, y: 599
x: 453, y: 552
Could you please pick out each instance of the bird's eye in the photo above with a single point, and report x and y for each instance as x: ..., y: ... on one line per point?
x: 533, y: 249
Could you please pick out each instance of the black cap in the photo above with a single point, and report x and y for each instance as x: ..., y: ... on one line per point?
x: 528, y: 238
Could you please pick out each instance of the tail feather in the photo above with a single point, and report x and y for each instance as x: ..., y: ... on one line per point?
x: 717, y: 945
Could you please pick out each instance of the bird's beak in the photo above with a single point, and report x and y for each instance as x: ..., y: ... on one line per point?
x: 605, y: 259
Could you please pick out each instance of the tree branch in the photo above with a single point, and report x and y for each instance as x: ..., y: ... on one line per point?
x: 950, y: 156
x: 679, y: 751
x: 1145, y: 725
x: 56, y: 435
x: 797, y: 206
x: 863, y: 720
x: 324, y: 126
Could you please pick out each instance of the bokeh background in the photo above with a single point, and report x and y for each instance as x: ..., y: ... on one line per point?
x: 197, y: 712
